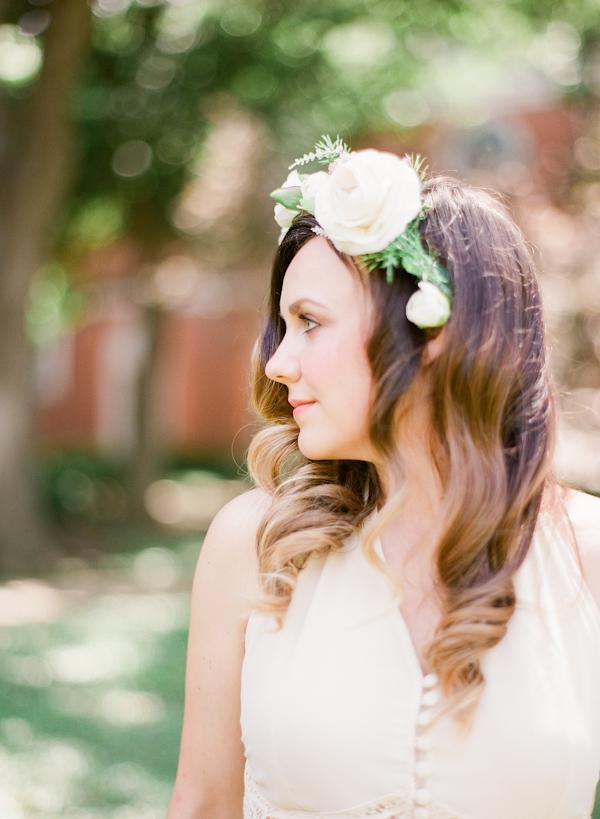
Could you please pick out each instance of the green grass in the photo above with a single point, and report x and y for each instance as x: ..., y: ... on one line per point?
x: 91, y: 695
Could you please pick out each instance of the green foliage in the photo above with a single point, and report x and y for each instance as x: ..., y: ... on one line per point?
x: 327, y: 150
x: 159, y: 70
x: 288, y: 197
x: 407, y: 251
x: 54, y: 304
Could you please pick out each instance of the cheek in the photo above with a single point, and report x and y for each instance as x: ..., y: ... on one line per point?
x: 342, y: 372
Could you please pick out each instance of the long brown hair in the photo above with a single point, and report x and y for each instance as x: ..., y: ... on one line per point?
x: 493, y: 428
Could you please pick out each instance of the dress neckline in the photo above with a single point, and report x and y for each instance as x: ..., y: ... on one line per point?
x: 410, y: 646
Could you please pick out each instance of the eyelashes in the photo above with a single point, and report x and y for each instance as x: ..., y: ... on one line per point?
x: 312, y: 324
x: 308, y: 321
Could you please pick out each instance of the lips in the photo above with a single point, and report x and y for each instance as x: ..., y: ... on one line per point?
x: 300, y: 406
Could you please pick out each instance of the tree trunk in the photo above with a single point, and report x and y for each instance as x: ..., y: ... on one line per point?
x: 147, y: 458
x: 35, y: 171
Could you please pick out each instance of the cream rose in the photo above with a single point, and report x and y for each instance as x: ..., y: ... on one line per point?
x: 368, y: 201
x: 428, y: 307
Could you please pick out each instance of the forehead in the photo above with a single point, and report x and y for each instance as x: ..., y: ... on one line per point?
x: 316, y: 272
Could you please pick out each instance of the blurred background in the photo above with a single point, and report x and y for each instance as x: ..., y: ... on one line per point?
x: 138, y: 142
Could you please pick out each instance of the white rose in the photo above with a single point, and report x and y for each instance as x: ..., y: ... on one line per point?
x: 428, y: 307
x: 368, y: 201
x: 313, y: 184
x: 284, y: 216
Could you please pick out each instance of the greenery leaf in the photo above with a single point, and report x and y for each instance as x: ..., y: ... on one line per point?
x: 326, y: 151
x: 288, y: 197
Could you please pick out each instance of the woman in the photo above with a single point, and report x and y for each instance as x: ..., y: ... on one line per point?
x: 426, y: 641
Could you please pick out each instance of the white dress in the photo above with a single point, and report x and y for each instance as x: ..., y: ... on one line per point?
x: 335, y: 708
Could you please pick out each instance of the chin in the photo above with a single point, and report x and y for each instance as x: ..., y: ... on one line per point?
x: 316, y: 450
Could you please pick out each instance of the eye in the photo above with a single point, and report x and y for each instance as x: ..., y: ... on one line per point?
x: 310, y: 323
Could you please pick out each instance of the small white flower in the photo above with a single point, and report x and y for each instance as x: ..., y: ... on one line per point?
x: 284, y: 216
x: 428, y: 307
x: 313, y: 184
x: 368, y: 201
x: 293, y: 180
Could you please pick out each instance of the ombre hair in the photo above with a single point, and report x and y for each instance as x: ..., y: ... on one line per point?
x: 492, y: 432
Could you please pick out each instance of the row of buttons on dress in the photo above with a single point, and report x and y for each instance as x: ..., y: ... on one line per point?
x: 423, y: 744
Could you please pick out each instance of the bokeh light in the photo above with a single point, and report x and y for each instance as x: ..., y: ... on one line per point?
x: 240, y: 20
x: 21, y: 56
x: 190, y: 502
x: 132, y: 158
x: 406, y: 108
x: 360, y: 44
x: 34, y: 22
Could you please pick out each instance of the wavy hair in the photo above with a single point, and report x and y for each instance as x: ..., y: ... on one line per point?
x: 492, y: 432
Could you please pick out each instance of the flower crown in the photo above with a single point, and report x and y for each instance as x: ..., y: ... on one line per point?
x: 369, y: 204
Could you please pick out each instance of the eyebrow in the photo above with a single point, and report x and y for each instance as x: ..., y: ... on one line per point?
x: 295, y: 307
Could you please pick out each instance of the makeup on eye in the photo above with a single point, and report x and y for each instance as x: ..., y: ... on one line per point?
x: 302, y: 319
x: 297, y: 310
x: 307, y: 320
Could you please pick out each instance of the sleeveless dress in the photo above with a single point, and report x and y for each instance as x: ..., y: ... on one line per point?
x: 336, y: 712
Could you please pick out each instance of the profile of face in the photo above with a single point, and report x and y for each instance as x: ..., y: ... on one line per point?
x: 322, y: 359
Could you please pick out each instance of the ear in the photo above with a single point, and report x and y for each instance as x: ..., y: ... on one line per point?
x: 434, y: 347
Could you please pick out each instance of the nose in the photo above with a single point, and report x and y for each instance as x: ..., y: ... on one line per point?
x: 283, y: 366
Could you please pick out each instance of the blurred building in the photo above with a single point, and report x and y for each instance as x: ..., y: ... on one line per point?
x: 189, y: 360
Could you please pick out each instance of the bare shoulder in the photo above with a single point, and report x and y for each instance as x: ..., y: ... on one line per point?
x: 237, y: 522
x: 584, y: 514
x: 230, y: 543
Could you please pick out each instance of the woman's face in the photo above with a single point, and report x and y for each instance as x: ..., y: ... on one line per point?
x: 322, y: 358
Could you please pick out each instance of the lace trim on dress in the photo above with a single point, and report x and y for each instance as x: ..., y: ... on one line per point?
x: 398, y: 806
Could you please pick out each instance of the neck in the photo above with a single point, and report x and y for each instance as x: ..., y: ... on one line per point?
x: 416, y: 527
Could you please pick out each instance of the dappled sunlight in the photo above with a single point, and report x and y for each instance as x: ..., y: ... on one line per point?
x: 91, y: 686
x: 31, y: 601
x: 39, y: 777
x: 190, y: 502
x: 156, y: 568
x: 96, y: 660
x: 117, y: 706
x: 46, y: 779
x: 123, y: 707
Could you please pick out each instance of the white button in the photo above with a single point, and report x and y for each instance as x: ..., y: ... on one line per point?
x: 430, y: 698
x: 422, y: 770
x: 430, y: 680
x: 424, y: 718
x: 422, y: 797
x: 424, y: 743
x: 420, y: 813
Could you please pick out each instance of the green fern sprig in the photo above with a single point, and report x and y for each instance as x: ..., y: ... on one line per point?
x: 417, y: 163
x: 326, y: 151
x: 407, y: 251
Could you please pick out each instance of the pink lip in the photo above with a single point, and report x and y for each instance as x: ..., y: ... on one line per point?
x: 299, y: 408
